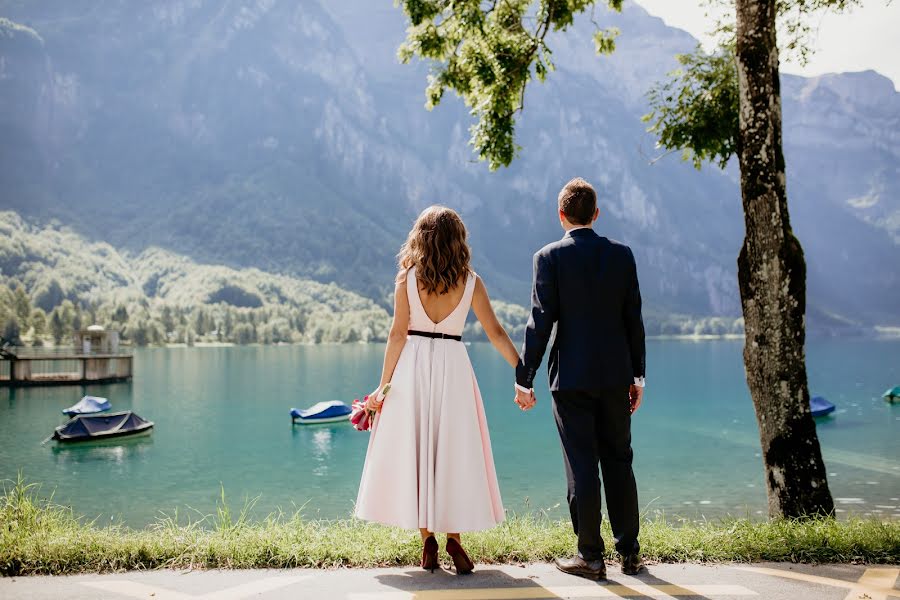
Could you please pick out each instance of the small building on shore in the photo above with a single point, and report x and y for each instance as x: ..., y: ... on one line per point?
x: 96, y: 339
x: 95, y: 357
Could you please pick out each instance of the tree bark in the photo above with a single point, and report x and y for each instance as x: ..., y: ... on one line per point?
x: 772, y: 280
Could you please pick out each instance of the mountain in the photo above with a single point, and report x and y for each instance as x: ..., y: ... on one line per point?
x: 283, y: 135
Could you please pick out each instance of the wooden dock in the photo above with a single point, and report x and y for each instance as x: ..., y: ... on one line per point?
x: 21, y: 366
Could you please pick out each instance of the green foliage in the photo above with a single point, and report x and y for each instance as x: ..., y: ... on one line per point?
x: 57, y: 328
x: 38, y: 322
x: 513, y: 317
x: 674, y: 325
x: 12, y: 331
x: 39, y: 537
x: 487, y: 52
x: 235, y: 296
x: 696, y: 110
x: 190, y: 303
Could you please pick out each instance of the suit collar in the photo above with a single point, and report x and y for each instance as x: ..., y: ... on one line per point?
x: 580, y: 232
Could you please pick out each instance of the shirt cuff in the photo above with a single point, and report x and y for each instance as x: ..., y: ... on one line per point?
x: 524, y: 390
x: 639, y: 381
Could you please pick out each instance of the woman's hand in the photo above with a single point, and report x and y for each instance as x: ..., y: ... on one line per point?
x: 375, y: 401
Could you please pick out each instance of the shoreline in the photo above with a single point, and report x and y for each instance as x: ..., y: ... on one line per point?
x: 877, y: 333
x: 40, y: 537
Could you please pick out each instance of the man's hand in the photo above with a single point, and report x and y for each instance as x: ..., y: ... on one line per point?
x: 635, y: 395
x: 525, y: 400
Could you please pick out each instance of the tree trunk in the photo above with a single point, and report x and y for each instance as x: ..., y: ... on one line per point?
x: 772, y: 279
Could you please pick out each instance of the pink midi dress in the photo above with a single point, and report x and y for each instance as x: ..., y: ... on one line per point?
x: 429, y: 462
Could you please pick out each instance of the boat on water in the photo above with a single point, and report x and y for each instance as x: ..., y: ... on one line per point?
x: 88, y: 405
x: 820, y: 407
x: 102, y: 426
x: 330, y: 411
x: 892, y: 395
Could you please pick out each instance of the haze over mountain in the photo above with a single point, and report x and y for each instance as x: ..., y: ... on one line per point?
x: 283, y: 135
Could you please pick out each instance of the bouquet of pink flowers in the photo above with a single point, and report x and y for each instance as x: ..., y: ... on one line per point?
x: 361, y: 416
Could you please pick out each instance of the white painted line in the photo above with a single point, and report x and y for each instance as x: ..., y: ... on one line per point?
x: 800, y: 576
x: 252, y: 588
x: 875, y: 584
x: 135, y: 590
x: 664, y: 591
x: 146, y: 592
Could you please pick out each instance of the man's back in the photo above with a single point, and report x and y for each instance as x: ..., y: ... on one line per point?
x: 588, y: 285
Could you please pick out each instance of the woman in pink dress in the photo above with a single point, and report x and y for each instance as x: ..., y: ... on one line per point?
x: 429, y: 464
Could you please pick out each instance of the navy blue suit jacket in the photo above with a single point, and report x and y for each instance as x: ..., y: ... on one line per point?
x: 587, y: 285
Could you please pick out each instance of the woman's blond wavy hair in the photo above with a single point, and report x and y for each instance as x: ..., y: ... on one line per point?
x: 437, y: 247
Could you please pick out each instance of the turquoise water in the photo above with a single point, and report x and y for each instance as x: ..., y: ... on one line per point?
x: 222, y: 419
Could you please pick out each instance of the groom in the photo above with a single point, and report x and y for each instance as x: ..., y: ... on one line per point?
x: 587, y: 286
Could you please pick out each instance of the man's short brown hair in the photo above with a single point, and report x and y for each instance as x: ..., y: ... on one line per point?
x: 578, y: 201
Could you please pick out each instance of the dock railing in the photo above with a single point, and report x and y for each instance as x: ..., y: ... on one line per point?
x: 21, y: 365
x: 39, y: 352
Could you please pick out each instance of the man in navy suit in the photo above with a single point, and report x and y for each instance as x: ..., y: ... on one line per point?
x: 587, y: 286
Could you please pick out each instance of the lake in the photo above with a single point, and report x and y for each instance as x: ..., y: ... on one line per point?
x: 222, y: 421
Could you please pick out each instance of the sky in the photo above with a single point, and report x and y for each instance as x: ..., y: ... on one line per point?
x: 868, y: 37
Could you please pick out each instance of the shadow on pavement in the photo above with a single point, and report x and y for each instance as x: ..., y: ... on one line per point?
x: 419, y: 581
x: 648, y: 578
x: 422, y: 584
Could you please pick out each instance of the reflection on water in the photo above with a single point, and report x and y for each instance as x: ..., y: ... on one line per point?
x: 322, y: 451
x: 318, y: 443
x: 115, y: 450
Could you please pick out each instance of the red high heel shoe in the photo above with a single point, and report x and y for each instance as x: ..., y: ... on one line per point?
x: 430, y: 554
x: 461, y: 560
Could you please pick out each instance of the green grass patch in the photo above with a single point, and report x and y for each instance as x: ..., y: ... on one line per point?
x: 38, y: 536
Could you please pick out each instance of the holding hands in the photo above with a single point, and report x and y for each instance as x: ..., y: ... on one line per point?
x: 525, y: 400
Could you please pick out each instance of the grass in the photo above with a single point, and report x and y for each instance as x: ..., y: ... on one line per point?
x: 38, y: 536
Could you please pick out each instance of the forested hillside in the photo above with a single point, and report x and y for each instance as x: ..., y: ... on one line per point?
x: 53, y: 281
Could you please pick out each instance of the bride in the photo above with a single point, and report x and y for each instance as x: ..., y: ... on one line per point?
x: 429, y: 464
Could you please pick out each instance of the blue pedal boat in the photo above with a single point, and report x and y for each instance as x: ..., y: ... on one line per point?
x: 820, y: 407
x: 330, y: 411
x: 892, y: 395
x: 88, y: 405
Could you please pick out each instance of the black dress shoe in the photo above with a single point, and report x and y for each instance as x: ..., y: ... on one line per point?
x: 632, y: 564
x: 591, y: 569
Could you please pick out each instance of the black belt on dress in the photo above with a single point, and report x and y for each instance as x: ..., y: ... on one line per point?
x: 435, y: 335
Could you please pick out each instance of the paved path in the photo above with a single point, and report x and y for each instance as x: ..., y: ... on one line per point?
x: 489, y: 582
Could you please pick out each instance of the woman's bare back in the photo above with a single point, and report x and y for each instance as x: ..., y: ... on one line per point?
x: 440, y: 306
